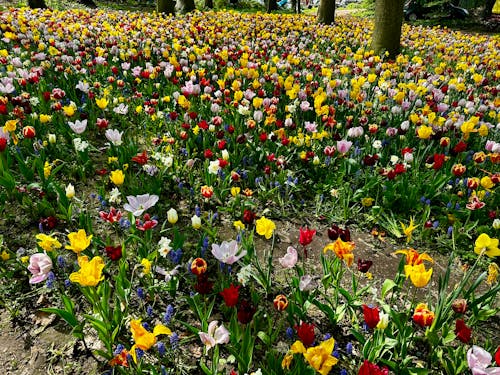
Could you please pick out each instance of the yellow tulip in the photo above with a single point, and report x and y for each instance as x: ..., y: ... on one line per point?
x: 143, y: 339
x: 265, y: 227
x: 424, y: 132
x: 102, y: 103
x: 419, y: 276
x: 79, y: 241
x: 90, y: 273
x: 117, y: 177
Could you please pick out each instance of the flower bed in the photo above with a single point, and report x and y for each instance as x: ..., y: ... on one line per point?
x: 145, y: 154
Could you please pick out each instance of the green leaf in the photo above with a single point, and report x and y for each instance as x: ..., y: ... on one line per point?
x: 448, y: 338
x: 387, y: 286
x: 264, y: 337
x: 67, y: 316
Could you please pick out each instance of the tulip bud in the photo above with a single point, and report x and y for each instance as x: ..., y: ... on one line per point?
x: 459, y: 305
x: 199, y: 266
x: 172, y: 216
x: 196, y: 222
x: 29, y: 132
x: 280, y: 302
x: 70, y: 191
x: 52, y: 138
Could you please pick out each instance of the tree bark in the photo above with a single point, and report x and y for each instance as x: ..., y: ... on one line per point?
x: 272, y: 5
x: 188, y: 6
x: 209, y: 4
x: 165, y: 6
x: 326, y: 12
x: 37, y: 4
x: 488, y: 8
x: 387, y: 30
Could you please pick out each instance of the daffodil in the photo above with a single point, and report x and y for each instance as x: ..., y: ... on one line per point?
x: 143, y: 339
x: 486, y: 245
x: 48, y: 243
x: 90, y: 273
x: 265, y: 227
x: 79, y: 241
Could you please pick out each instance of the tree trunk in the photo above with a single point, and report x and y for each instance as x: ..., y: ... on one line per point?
x: 165, y: 6
x: 209, y: 4
x: 37, y: 4
x: 326, y: 12
x: 488, y: 8
x: 387, y: 30
x: 188, y: 6
x: 272, y: 5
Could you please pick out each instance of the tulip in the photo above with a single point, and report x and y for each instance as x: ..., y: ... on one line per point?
x: 70, y: 191
x: 40, y: 266
x: 172, y: 216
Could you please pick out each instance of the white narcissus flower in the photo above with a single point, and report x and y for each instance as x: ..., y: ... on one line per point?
x: 214, y: 167
x: 290, y: 258
x: 227, y: 252
x: 215, y: 335
x: 164, y: 246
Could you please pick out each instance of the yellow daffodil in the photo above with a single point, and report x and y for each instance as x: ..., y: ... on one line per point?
x: 47, y: 169
x: 367, y: 201
x: 10, y: 126
x: 408, y: 230
x: 239, y: 225
x: 143, y: 339
x: 48, y: 243
x: 79, y: 241
x: 493, y: 272
x: 147, y: 266
x: 419, y: 276
x: 265, y: 227
x: 117, y: 177
x: 90, y: 273
x: 5, y: 255
x: 486, y: 245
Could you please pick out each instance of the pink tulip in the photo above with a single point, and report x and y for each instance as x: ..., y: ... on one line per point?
x: 343, y: 146
x: 40, y: 266
x: 290, y: 258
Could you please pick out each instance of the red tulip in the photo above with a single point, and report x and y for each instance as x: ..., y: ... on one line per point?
x: 371, y: 316
x: 305, y: 331
x: 230, y: 295
x: 463, y: 332
x: 306, y: 236
x: 368, y: 368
